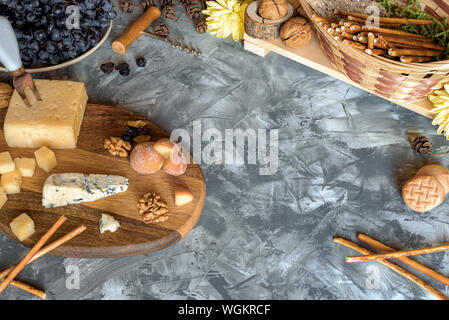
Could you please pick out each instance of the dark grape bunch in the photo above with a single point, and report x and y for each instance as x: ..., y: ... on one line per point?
x: 40, y: 27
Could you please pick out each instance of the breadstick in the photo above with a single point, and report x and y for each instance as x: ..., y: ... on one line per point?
x: 26, y: 287
x: 412, y: 263
x: 363, y: 21
x: 378, y: 43
x: 401, y: 21
x: 347, y: 35
x: 57, y: 243
x: 355, y: 28
x: 392, y: 266
x: 414, y: 52
x: 371, y: 38
x: 413, y: 59
x: 31, y: 253
x: 397, y: 254
x: 354, y: 44
x: 319, y: 19
x: 362, y: 39
x: 417, y: 43
x: 395, y: 32
x: 376, y: 52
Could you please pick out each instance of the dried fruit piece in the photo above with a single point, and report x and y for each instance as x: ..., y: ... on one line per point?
x: 139, y: 139
x: 137, y: 124
x: 107, y: 67
x: 141, y: 62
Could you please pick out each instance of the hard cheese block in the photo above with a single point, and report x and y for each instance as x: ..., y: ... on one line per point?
x: 61, y: 189
x: 54, y: 122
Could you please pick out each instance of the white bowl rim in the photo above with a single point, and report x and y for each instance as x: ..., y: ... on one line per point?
x: 69, y: 62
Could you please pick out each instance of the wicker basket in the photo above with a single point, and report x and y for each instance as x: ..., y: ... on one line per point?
x: 390, y: 79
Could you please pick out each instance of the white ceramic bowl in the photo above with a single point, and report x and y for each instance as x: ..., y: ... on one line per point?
x: 69, y: 62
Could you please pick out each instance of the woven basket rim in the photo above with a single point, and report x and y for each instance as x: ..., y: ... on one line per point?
x: 385, y: 62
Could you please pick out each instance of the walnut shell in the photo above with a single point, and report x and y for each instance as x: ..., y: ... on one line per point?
x: 273, y: 9
x: 296, y: 32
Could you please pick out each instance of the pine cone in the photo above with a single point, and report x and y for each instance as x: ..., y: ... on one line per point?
x: 193, y: 11
x: 422, y: 145
x: 145, y: 4
x: 167, y: 3
x: 201, y: 26
x: 185, y: 2
x: 161, y: 29
x: 169, y: 12
x: 126, y: 6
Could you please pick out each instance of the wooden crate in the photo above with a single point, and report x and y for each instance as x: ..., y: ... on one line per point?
x: 312, y: 56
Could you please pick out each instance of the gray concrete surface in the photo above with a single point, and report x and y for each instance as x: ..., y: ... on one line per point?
x: 343, y: 155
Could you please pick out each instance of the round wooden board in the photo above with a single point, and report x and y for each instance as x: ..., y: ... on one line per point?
x: 134, y: 237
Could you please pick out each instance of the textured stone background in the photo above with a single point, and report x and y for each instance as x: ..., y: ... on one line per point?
x: 343, y: 155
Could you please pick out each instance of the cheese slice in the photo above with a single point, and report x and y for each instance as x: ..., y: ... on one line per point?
x: 54, y: 122
x: 61, y: 189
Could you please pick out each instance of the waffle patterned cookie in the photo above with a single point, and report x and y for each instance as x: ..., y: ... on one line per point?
x: 423, y: 193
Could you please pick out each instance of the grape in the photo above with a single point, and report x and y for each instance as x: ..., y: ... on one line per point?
x: 40, y: 27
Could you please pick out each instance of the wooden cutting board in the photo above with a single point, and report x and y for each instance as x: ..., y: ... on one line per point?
x: 134, y: 237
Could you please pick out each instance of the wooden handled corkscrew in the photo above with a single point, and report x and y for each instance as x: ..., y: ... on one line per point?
x: 122, y: 43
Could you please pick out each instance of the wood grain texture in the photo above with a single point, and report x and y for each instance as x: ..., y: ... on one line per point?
x: 134, y: 237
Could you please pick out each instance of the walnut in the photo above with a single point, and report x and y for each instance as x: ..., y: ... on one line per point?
x: 296, y: 32
x: 300, y: 11
x: 152, y: 208
x: 273, y: 9
x: 193, y: 11
x: 117, y: 146
x: 169, y: 12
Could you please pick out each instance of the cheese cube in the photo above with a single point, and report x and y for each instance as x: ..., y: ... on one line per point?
x: 26, y: 166
x: 182, y: 196
x: 55, y: 121
x: 3, y: 197
x: 22, y: 227
x: 11, y: 182
x: 45, y: 158
x: 6, y: 163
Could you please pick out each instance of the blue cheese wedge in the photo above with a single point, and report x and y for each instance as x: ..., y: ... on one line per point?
x: 61, y: 189
x: 108, y: 223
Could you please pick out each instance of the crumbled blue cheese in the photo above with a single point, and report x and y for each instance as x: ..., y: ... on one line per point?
x: 108, y: 223
x: 61, y: 189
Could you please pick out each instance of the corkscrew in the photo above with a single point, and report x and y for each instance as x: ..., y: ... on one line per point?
x: 175, y: 45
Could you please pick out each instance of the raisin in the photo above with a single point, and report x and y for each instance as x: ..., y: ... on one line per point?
x: 141, y: 62
x: 107, y: 67
x: 122, y: 66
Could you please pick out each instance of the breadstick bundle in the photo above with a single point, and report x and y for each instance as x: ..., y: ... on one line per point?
x: 386, y: 39
x: 427, y: 189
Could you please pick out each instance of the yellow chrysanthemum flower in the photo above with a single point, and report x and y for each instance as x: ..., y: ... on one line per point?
x: 440, y: 101
x: 226, y: 17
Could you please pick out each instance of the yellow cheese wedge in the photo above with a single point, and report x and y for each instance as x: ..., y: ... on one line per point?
x: 45, y: 158
x: 26, y: 166
x: 11, y: 182
x: 54, y: 122
x: 22, y: 227
x: 6, y: 163
x: 182, y: 196
x: 3, y: 197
